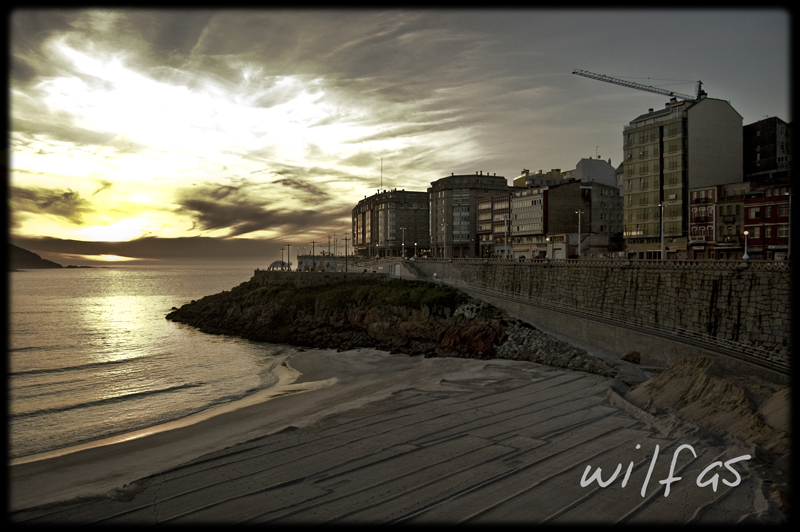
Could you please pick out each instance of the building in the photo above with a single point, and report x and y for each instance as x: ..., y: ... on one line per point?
x: 767, y: 155
x: 539, y: 213
x: 702, y: 222
x: 389, y: 222
x: 493, y: 226
x: 688, y: 144
x: 539, y: 179
x: 766, y: 222
x: 453, y: 202
x: 729, y: 221
x: 596, y: 170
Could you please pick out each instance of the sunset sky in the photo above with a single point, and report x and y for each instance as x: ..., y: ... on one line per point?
x: 176, y: 137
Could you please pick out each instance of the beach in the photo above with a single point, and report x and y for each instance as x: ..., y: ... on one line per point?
x: 365, y: 436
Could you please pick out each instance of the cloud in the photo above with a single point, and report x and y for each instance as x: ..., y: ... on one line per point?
x: 247, y: 208
x: 316, y: 193
x: 60, y: 203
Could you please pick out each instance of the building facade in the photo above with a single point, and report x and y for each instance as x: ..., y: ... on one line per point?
x: 766, y: 222
x: 390, y: 223
x: 453, y: 204
x: 688, y: 144
x: 767, y: 157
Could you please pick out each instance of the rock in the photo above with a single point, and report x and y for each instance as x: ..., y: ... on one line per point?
x: 632, y: 356
x: 412, y: 317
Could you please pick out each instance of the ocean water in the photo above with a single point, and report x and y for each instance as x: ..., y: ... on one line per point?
x: 91, y: 354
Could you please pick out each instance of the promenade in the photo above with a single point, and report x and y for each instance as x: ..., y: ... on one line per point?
x: 392, y: 438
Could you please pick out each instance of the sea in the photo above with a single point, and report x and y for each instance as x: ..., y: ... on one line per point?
x: 91, y: 355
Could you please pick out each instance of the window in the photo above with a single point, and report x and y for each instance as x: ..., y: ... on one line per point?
x: 768, y: 232
x: 755, y: 212
x: 783, y: 230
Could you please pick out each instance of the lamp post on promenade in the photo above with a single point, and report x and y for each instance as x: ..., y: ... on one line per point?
x: 663, y: 247
x: 745, y: 256
x: 547, y: 249
x: 415, y: 250
x: 579, y: 212
x: 313, y: 257
x: 403, y: 245
x: 288, y: 257
x: 282, y: 257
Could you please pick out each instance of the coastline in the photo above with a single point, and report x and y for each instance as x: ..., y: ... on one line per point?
x: 449, y: 411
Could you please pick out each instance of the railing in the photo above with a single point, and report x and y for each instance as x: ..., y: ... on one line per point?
x: 738, y: 350
x: 700, y: 264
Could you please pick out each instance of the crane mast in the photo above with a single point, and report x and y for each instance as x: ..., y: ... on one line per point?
x: 639, y: 86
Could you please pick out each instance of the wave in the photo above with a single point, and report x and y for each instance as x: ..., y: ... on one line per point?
x: 81, y: 366
x: 99, y: 402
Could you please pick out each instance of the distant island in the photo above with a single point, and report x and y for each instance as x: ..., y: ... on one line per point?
x: 27, y: 260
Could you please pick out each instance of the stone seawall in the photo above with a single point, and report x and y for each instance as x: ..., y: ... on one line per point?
x: 742, y: 302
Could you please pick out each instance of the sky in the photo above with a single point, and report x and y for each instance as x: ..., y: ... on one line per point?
x: 178, y: 137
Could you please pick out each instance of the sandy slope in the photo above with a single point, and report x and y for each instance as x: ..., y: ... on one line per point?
x: 396, y: 438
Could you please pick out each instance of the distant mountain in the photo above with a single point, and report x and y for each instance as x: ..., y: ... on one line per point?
x: 22, y: 259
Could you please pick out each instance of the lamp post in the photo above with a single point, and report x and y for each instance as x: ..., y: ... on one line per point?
x: 282, y: 257
x: 663, y: 248
x: 415, y: 250
x: 579, y: 212
x: 745, y: 256
x: 404, y: 242
x: 547, y: 249
x: 313, y: 259
x: 288, y: 257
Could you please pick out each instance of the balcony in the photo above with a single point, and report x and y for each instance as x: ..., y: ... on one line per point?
x: 701, y: 220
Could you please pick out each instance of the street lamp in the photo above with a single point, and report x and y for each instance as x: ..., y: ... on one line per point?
x: 282, y: 258
x: 289, y: 257
x: 663, y: 249
x: 404, y: 242
x: 745, y: 256
x: 547, y: 252
x: 579, y: 212
x: 415, y: 250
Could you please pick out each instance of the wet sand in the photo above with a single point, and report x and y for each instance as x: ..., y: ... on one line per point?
x: 364, y: 436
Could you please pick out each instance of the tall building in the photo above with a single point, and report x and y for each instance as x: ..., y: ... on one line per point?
x: 453, y: 206
x: 767, y: 153
x: 688, y: 144
x: 386, y: 223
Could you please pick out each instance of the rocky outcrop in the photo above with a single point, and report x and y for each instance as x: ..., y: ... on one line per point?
x: 412, y: 317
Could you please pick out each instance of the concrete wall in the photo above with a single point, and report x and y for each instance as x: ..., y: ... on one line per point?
x: 744, y: 304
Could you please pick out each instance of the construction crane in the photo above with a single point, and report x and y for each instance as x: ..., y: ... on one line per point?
x: 632, y: 85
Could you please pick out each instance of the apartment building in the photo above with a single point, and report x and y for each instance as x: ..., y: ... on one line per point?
x: 389, y: 222
x: 767, y: 154
x: 766, y: 222
x: 453, y: 204
x: 688, y: 144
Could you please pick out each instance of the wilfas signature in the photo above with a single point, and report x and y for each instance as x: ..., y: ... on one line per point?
x: 702, y: 481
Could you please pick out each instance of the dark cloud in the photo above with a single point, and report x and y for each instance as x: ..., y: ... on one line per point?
x: 61, y: 203
x: 245, y: 208
x: 315, y: 192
